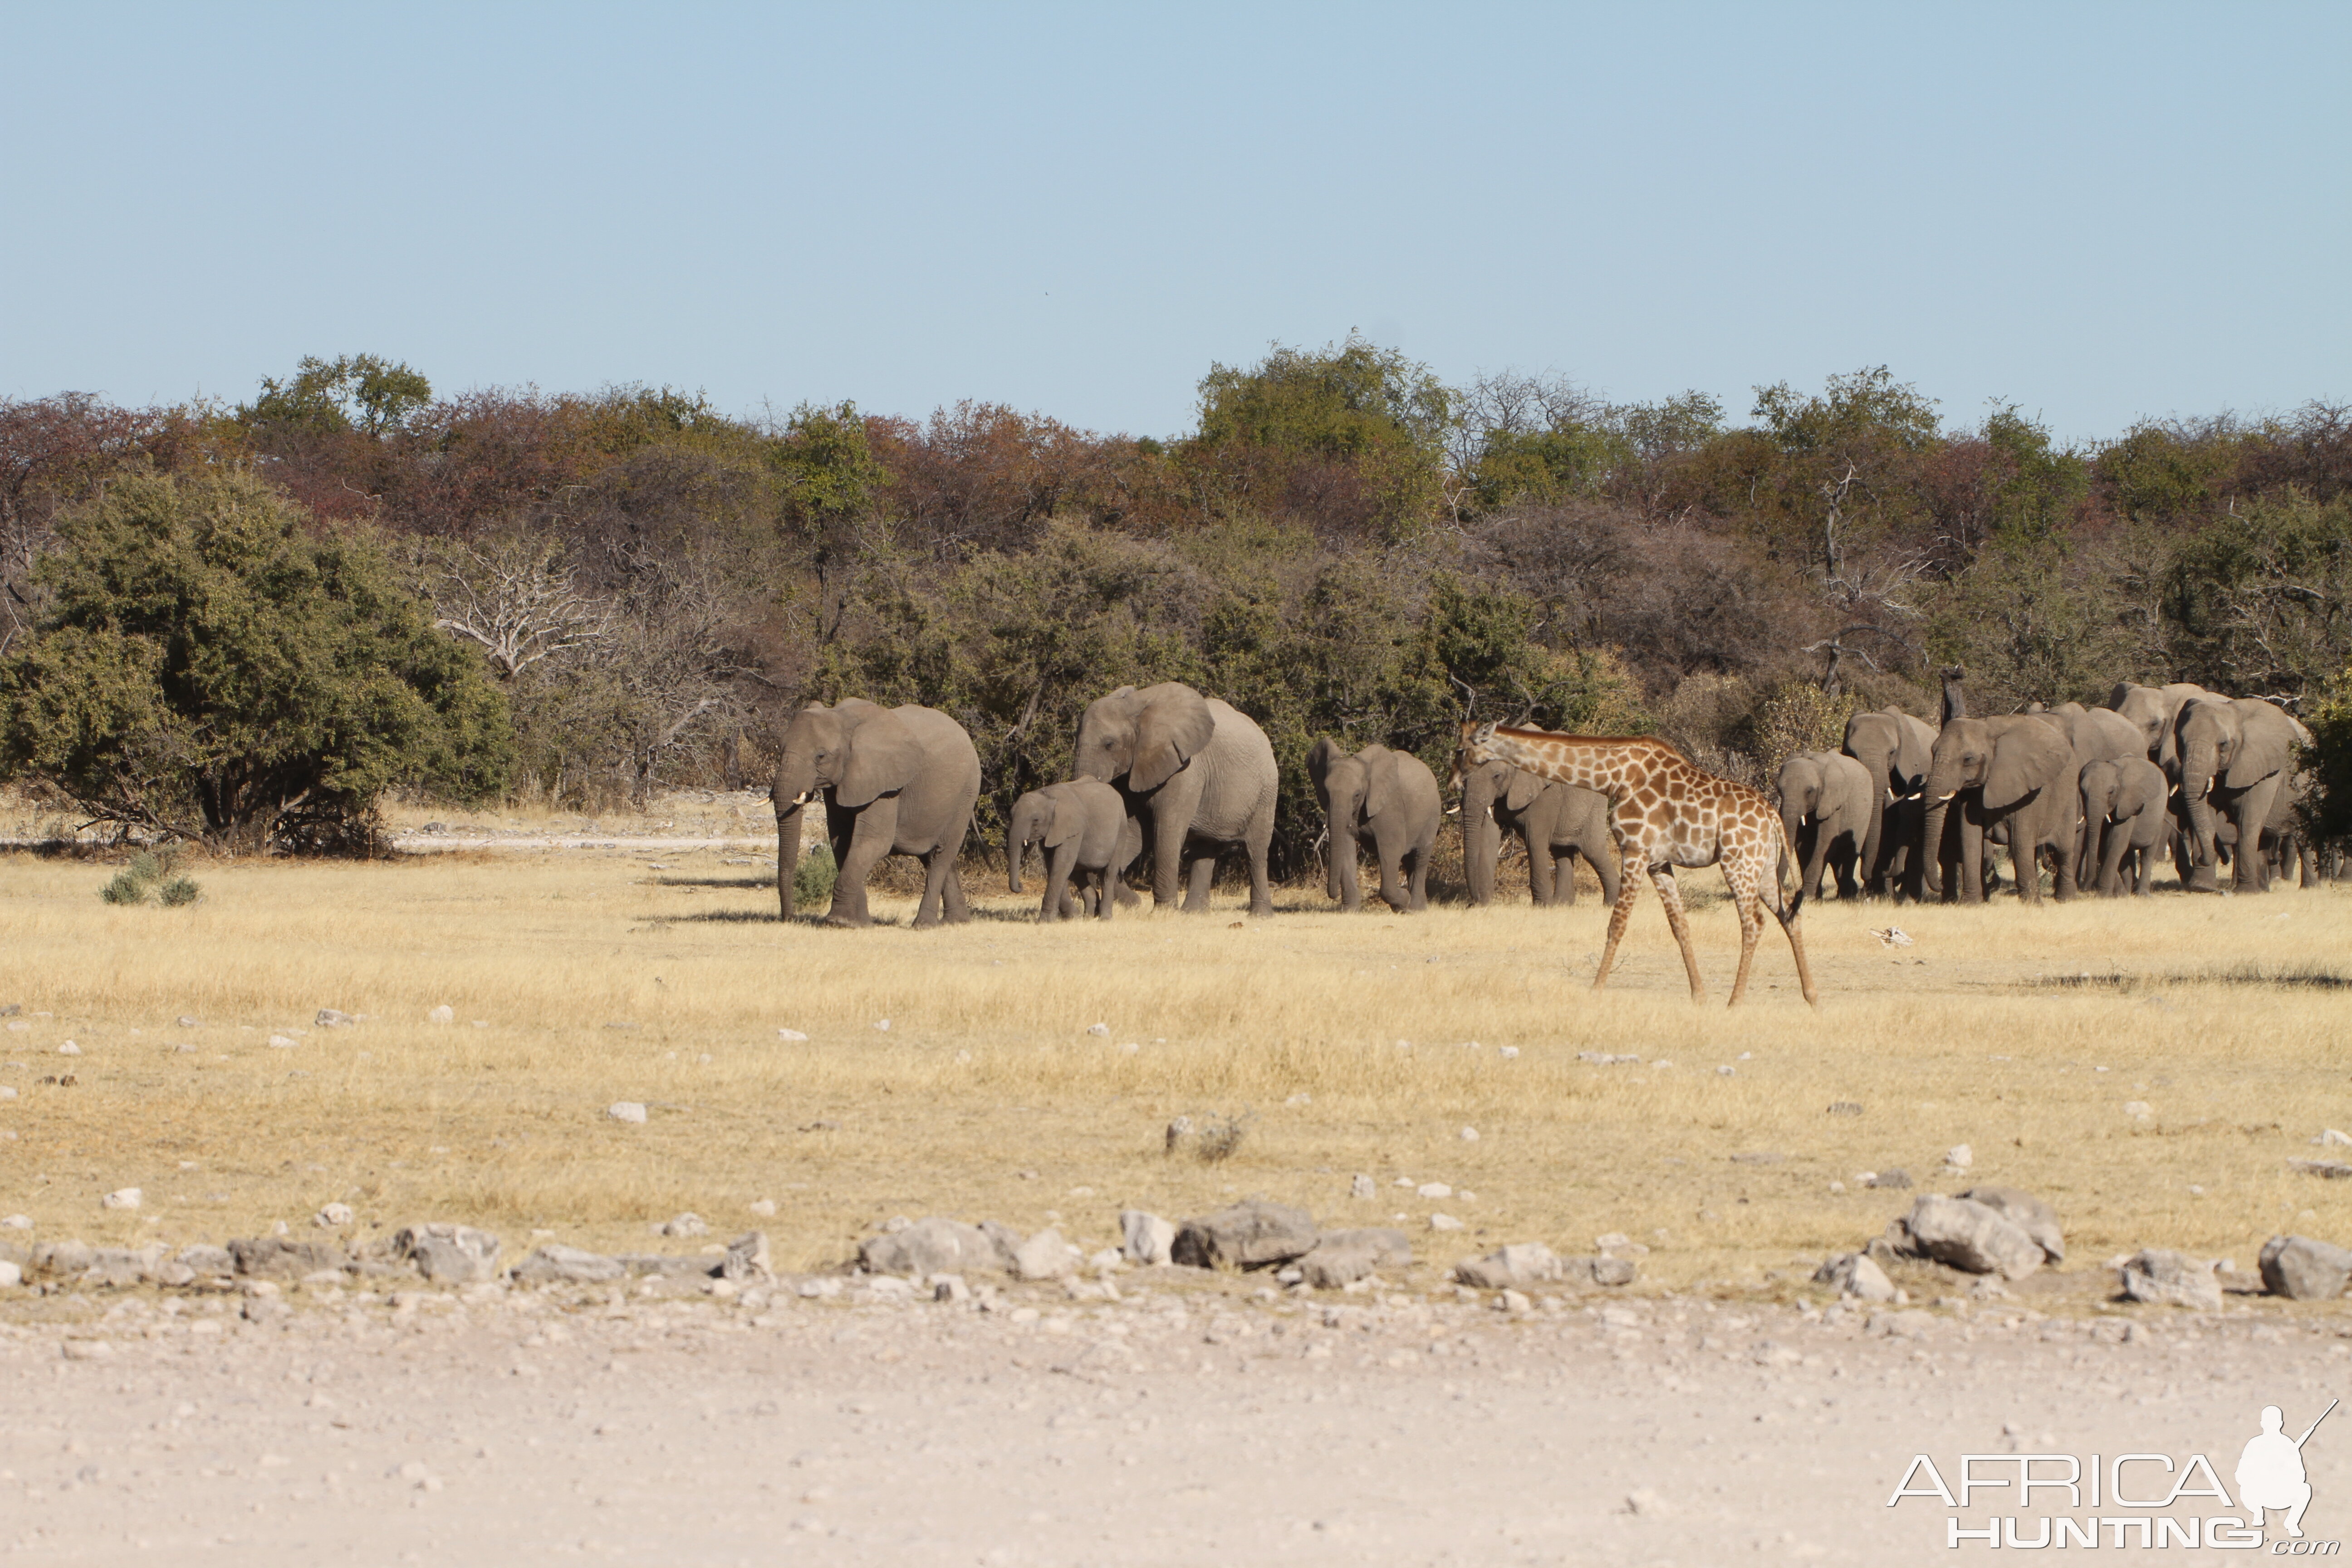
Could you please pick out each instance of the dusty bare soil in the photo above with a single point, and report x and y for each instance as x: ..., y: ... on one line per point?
x: 1186, y: 1422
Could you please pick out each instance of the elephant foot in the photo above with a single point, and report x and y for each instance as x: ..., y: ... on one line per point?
x: 848, y: 922
x: 2202, y: 880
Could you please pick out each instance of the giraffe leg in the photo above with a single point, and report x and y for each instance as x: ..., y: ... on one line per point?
x: 1629, y: 888
x: 1663, y: 878
x: 1749, y: 901
x: 1791, y: 918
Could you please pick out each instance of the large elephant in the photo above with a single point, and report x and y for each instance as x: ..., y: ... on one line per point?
x: 1894, y: 747
x: 1390, y: 796
x: 2124, y: 823
x: 1555, y: 821
x: 895, y: 781
x: 1824, y: 800
x: 1083, y: 827
x: 2015, y: 779
x: 1196, y: 773
x: 2235, y: 755
x: 2153, y: 711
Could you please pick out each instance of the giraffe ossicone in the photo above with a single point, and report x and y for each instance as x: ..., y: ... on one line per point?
x: 1664, y: 812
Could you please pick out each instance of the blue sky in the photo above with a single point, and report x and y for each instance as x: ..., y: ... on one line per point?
x: 2100, y: 212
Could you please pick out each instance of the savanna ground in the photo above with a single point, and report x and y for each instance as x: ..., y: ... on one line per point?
x: 1196, y: 1421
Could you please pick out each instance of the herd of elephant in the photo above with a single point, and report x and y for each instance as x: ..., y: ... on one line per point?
x: 1904, y: 810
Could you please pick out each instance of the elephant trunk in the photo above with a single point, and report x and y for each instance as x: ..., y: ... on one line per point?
x: 1481, y: 844
x: 2195, y: 794
x: 1932, y: 859
x: 1873, y: 836
x: 787, y: 852
x: 1016, y: 850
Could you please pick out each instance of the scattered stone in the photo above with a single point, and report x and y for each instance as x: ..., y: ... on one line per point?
x: 329, y: 1019
x: 1250, y: 1235
x: 280, y: 1043
x: 64, y: 1259
x: 1509, y: 1053
x: 1148, y: 1239
x: 1098, y: 1030
x: 794, y: 1035
x: 1444, y: 1222
x: 1045, y: 1256
x: 1723, y: 1072
x: 1523, y: 1263
x: 937, y: 1245
x: 1432, y: 1190
x: 1469, y: 1135
x: 1343, y: 1257
x: 747, y: 1259
x: 1845, y: 1108
x: 445, y: 1014
x: 1896, y: 1179
x: 2333, y: 1170
x: 1603, y: 1058
x: 764, y: 1207
x: 11, y: 1276
x: 2331, y: 1138
x: 87, y: 1350
x: 1912, y: 1324
x: 1973, y: 1236
x: 2028, y: 1212
x: 7, y: 1093
x: 2303, y: 1269
x: 272, y: 1257
x: 949, y: 1288
x: 16, y: 1222
x: 1605, y: 1270
x: 1361, y: 1186
x: 1178, y: 1130
x: 187, y: 1022
x: 332, y: 1214
x: 683, y: 1226
x: 1646, y: 1503
x: 449, y: 1254
x: 1959, y: 1156
x: 883, y: 1025
x: 2137, y: 1109
x: 122, y: 1198
x: 69, y: 1049
x: 2166, y: 1279
x: 1758, y: 1158
x: 212, y: 1262
x: 1854, y: 1274
x: 554, y: 1265
x: 626, y: 1110
x: 1614, y: 1240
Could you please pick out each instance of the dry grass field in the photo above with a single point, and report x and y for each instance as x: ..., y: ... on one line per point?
x: 1344, y: 1044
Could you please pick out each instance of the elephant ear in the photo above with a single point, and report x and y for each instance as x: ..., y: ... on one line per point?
x: 1068, y: 821
x: 884, y: 755
x: 1525, y: 787
x: 2266, y: 741
x: 2028, y: 756
x: 1380, y: 780
x: 1172, y: 730
x: 2140, y: 789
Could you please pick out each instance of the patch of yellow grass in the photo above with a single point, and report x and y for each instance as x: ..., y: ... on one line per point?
x: 987, y: 1098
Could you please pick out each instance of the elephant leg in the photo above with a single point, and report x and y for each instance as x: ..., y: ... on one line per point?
x: 1346, y: 878
x: 788, y: 856
x: 1385, y: 844
x: 954, y: 908
x: 1543, y: 870
x: 2253, y: 872
x: 1972, y: 848
x: 1629, y: 888
x: 1844, y: 858
x: 1417, y: 885
x: 1562, y: 867
x: 1257, y: 838
x: 1167, y: 857
x: 1608, y: 868
x: 1204, y: 871
x: 1058, y: 861
x: 874, y: 829
x: 1103, y: 903
x: 1817, y: 850
x: 1663, y: 878
x: 939, y: 866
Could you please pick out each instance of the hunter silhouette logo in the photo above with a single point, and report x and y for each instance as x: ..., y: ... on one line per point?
x: 2271, y: 1474
x: 2128, y: 1499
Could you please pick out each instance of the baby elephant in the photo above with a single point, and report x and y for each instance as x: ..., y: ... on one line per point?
x: 2124, y: 823
x: 1824, y: 801
x: 1390, y: 796
x: 1087, y: 839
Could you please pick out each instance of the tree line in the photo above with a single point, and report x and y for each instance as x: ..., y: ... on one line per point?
x: 245, y: 623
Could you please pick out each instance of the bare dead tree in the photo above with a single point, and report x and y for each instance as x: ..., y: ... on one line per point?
x: 513, y: 598
x: 1867, y: 592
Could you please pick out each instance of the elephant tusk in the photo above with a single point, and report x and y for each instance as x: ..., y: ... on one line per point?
x: 1453, y: 811
x: 1945, y: 799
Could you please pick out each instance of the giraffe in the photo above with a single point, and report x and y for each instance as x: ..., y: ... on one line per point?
x: 1663, y: 813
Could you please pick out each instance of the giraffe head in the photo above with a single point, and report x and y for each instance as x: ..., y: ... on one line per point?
x: 1477, y: 746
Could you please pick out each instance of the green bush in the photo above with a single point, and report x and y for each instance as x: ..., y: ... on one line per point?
x: 814, y: 876
x: 150, y: 875
x: 179, y: 891
x: 127, y: 887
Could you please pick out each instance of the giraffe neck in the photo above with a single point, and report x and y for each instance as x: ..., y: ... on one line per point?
x: 1605, y: 766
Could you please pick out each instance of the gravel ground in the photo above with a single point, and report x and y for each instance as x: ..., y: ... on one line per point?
x: 650, y: 1422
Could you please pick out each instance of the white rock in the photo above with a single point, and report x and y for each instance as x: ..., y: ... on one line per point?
x: 332, y: 1018
x: 1148, y: 1238
x: 789, y: 1034
x: 1106, y: 1258
x: 1614, y: 1238
x: 1432, y: 1190
x: 2330, y: 1136
x: 1444, y: 1222
x: 1510, y: 1053
x: 764, y: 1207
x: 1360, y: 1188
x: 1469, y: 1135
x: 7, y: 1093
x: 332, y: 1214
x: 445, y: 1014
x: 683, y: 1226
x: 949, y: 1288
x: 69, y: 1049
x: 1959, y: 1156
x: 2138, y: 1108
x: 883, y: 1025
x: 1103, y: 1029
x: 1723, y: 1072
x: 16, y: 1222
x: 187, y: 1022
x: 1045, y: 1256
x: 11, y: 1276
x: 280, y: 1042
x: 626, y: 1110
x: 123, y: 1198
